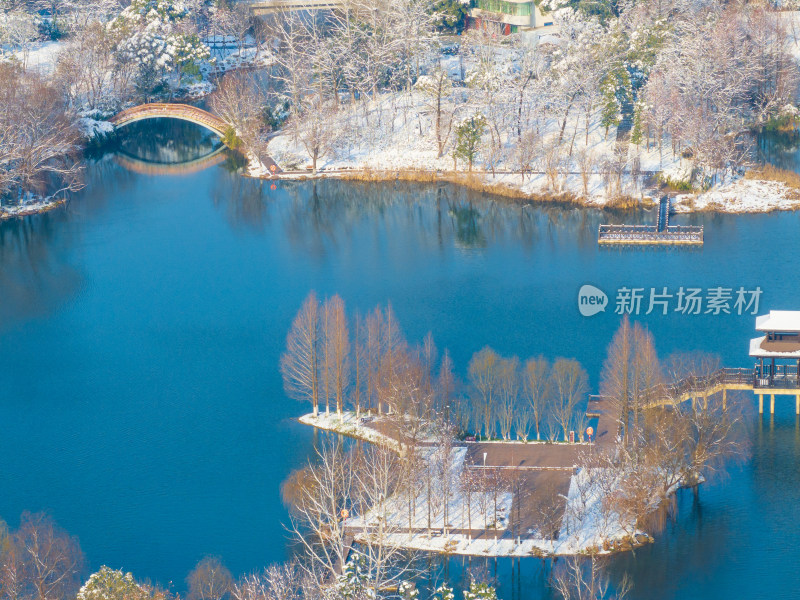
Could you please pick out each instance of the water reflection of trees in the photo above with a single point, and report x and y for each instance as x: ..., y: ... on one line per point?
x: 323, y: 213
x: 778, y: 148
x: 245, y: 201
x: 35, y: 277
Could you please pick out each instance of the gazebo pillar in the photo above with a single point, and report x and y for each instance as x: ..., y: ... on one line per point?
x: 725, y: 398
x: 772, y: 404
x: 761, y: 404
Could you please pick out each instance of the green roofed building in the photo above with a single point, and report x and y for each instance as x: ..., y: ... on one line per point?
x: 507, y: 16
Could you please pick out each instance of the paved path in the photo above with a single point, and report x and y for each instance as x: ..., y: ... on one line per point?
x: 542, y: 472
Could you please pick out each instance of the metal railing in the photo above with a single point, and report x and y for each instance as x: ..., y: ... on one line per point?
x: 784, y: 376
x: 650, y: 233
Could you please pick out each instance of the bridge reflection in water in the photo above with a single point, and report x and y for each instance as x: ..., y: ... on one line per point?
x: 189, y: 167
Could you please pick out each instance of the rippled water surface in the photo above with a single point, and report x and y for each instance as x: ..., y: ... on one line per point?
x: 140, y: 330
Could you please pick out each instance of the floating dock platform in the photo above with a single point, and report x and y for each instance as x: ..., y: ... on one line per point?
x: 650, y: 234
x: 660, y: 233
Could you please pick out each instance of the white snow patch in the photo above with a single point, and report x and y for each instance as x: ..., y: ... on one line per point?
x: 741, y: 196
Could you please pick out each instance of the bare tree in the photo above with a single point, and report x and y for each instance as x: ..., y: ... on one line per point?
x: 337, y: 348
x: 527, y: 151
x: 646, y: 372
x: 404, y: 392
x: 570, y: 384
x: 446, y: 388
x: 508, y: 388
x: 536, y: 385
x: 437, y: 87
x: 585, y: 578
x: 87, y: 70
x: 300, y: 362
x: 276, y: 582
x: 371, y: 343
x: 239, y: 101
x: 392, y: 344
x: 616, y: 379
x: 39, y: 139
x: 483, y: 376
x: 327, y: 487
x: 209, y: 580
x: 40, y: 561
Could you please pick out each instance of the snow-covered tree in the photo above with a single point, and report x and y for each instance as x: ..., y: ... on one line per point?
x: 110, y: 584
x: 480, y: 591
x: 157, y: 37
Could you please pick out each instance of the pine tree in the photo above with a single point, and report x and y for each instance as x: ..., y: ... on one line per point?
x: 468, y: 137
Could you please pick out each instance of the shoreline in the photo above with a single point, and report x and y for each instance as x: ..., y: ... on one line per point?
x: 723, y: 199
x: 744, y: 196
x: 26, y: 210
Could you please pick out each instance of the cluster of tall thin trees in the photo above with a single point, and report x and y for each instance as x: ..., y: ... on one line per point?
x: 506, y: 398
x: 365, y: 363
x: 371, y: 368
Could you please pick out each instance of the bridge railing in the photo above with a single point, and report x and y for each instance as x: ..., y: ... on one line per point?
x: 187, y: 111
x: 633, y: 233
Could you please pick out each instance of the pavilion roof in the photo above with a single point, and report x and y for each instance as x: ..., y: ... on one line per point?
x: 762, y: 348
x: 779, y: 320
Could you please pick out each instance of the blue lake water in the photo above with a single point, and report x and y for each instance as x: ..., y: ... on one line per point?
x: 141, y: 326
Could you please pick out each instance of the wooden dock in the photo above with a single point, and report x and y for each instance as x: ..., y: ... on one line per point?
x: 650, y: 234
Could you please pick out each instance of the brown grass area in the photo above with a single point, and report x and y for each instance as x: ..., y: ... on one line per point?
x: 623, y: 203
x: 473, y: 181
x: 771, y: 173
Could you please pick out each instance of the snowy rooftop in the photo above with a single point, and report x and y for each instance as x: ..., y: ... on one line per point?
x: 760, y: 348
x: 779, y: 320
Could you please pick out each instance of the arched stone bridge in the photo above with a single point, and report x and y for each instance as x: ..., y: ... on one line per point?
x: 185, y: 112
x: 160, y: 110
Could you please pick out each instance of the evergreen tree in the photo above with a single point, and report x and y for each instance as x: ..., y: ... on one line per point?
x: 452, y: 15
x: 468, y: 138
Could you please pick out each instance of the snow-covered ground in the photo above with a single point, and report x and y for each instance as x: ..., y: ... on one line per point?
x: 347, y: 424
x: 30, y: 207
x: 396, y: 133
x: 41, y: 57
x: 232, y: 58
x: 741, y: 196
x: 586, y: 526
x: 402, y: 138
x: 403, y: 513
x: 410, y: 147
x: 92, y: 125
